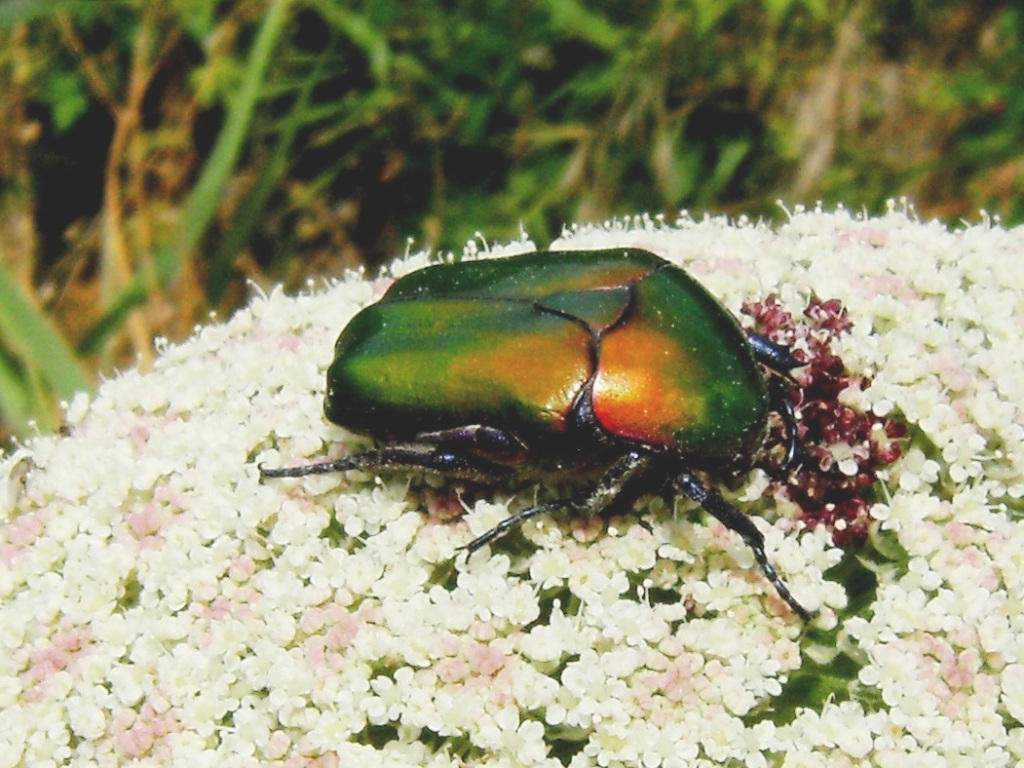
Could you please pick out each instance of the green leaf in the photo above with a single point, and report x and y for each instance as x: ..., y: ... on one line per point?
x: 37, y: 345
x: 362, y: 32
x: 13, y: 12
x: 66, y: 94
x: 577, y: 20
x: 249, y: 212
x: 111, y: 321
x: 197, y: 16
x: 206, y: 196
x: 14, y: 394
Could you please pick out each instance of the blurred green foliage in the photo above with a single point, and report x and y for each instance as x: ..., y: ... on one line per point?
x: 155, y: 156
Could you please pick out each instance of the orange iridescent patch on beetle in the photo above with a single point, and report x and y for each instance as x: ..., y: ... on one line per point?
x: 647, y: 388
x: 540, y: 375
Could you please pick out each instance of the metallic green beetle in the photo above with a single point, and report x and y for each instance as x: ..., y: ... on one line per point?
x: 560, y: 362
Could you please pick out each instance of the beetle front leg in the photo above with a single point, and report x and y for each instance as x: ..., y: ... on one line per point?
x: 780, y: 361
x: 775, y: 357
x: 449, y: 463
x: 736, y: 521
x: 779, y: 394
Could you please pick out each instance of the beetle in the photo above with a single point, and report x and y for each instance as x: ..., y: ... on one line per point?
x: 559, y: 363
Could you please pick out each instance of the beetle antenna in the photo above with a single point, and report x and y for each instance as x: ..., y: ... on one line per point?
x: 736, y: 521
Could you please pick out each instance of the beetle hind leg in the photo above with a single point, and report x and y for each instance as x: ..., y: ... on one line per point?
x: 736, y: 521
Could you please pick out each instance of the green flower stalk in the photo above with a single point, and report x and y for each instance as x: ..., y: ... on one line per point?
x: 159, y: 605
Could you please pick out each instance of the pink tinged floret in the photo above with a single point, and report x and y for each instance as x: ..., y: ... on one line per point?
x: 324, y: 761
x: 146, y: 521
x: 371, y: 614
x: 501, y: 688
x: 586, y: 529
x: 986, y: 687
x: 242, y: 568
x: 137, y: 732
x: 718, y: 266
x: 170, y: 497
x: 476, y: 664
x: 894, y: 286
x: 138, y: 437
x: 9, y: 554
x: 720, y: 536
x: 23, y: 533
x: 290, y: 343
x: 66, y: 647
x: 452, y: 670
x: 485, y: 659
x: 968, y: 564
x: 218, y: 610
x: 136, y: 741
x: 704, y: 686
x: 443, y: 507
x: 963, y: 635
x: 873, y: 236
x: 277, y: 746
x: 380, y: 286
x: 344, y: 631
x: 312, y: 620
x: 677, y: 681
x: 954, y: 374
x: 482, y: 631
x: 243, y: 603
x: 151, y: 542
x: 961, y: 671
x: 315, y: 652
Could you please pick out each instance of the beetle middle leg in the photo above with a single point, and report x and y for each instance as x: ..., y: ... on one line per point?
x: 617, y: 488
x: 736, y: 521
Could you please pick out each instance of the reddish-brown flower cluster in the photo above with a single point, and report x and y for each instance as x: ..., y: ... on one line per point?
x: 841, y: 450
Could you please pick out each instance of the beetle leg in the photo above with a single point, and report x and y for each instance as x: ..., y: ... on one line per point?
x: 778, y: 359
x: 736, y: 521
x: 773, y: 356
x: 481, y: 440
x: 449, y: 463
x: 782, y: 405
x: 511, y: 522
x: 614, y: 488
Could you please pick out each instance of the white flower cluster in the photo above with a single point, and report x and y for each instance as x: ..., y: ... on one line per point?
x: 160, y: 605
